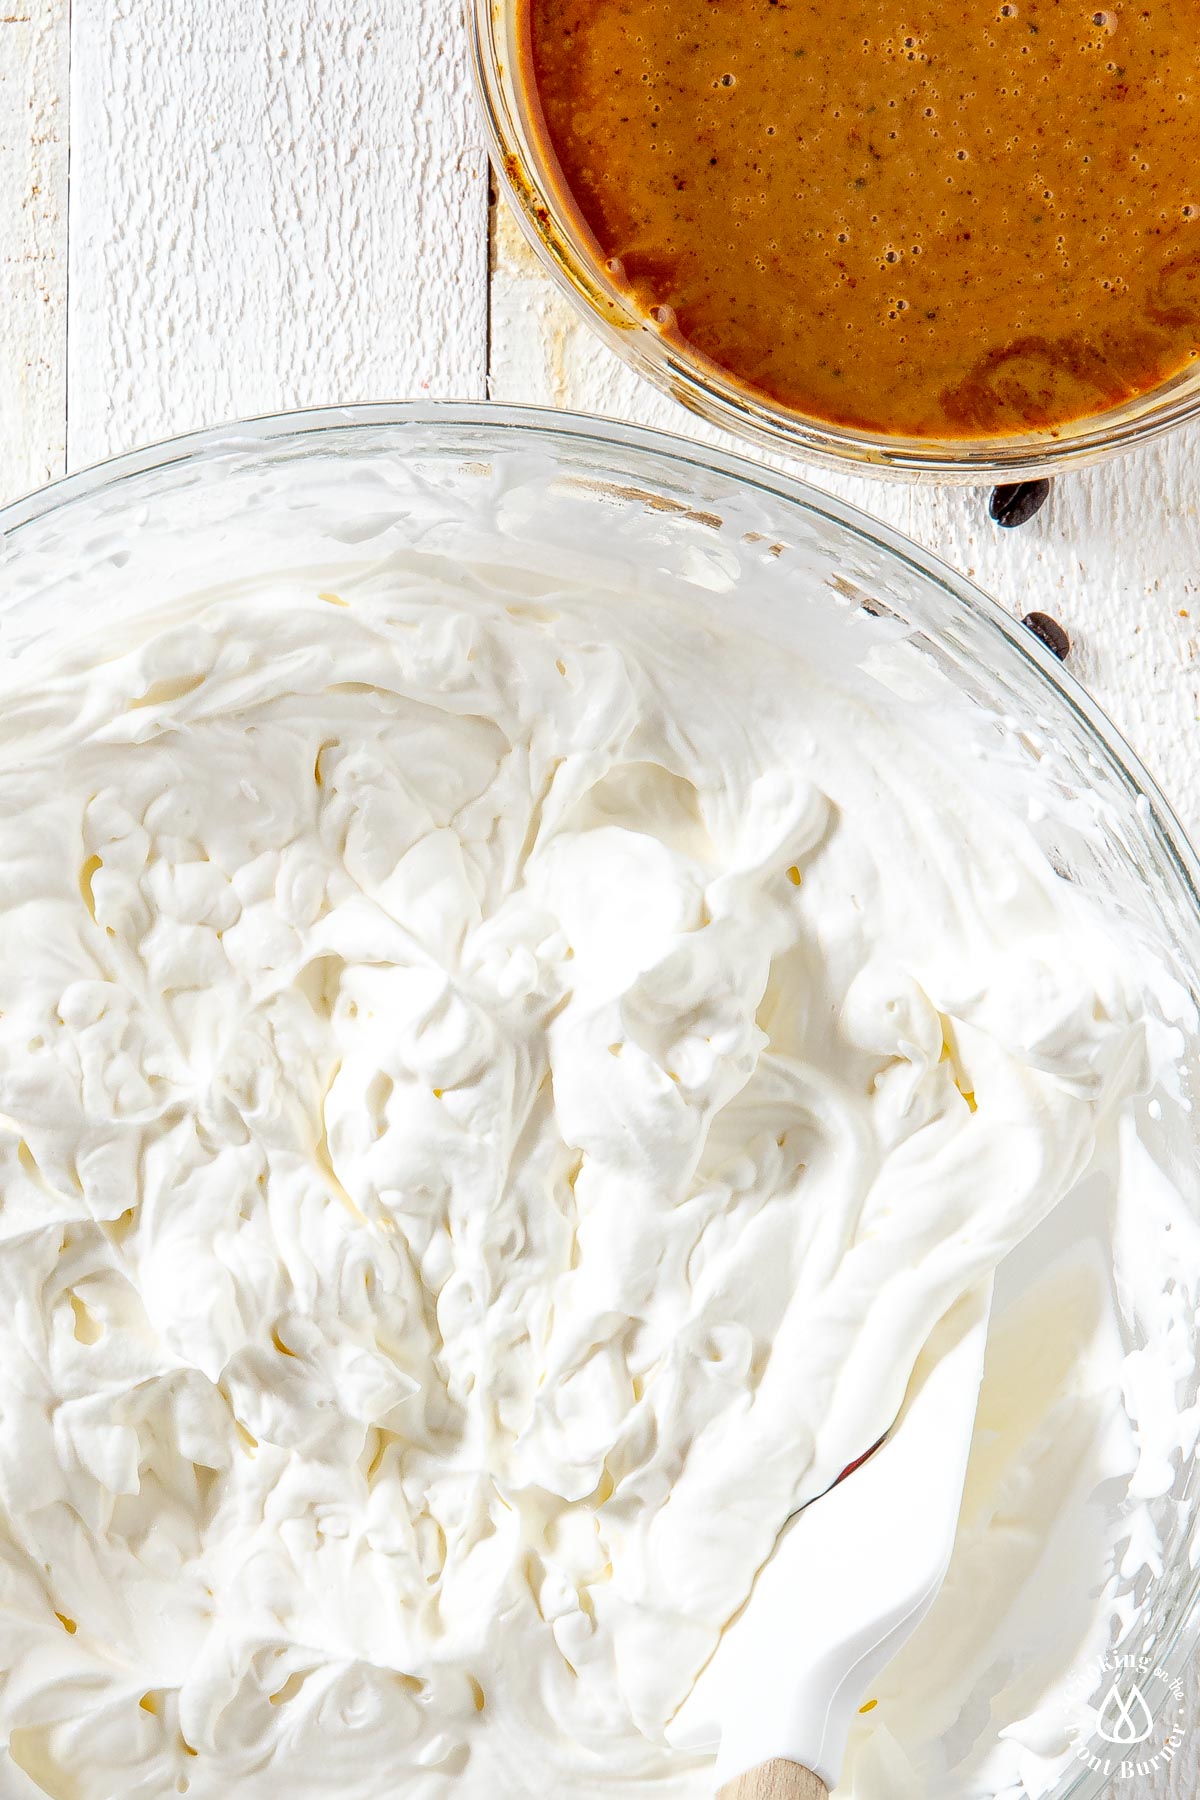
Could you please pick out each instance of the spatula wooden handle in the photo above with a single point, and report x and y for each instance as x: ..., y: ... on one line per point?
x: 776, y: 1780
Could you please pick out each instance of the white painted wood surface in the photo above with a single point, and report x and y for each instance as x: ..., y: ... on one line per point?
x: 285, y: 204
x: 33, y: 241
x: 272, y: 205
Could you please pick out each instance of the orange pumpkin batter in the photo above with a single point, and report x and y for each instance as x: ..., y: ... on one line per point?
x: 945, y: 218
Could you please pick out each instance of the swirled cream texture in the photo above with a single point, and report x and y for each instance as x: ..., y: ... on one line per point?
x: 497, y: 1088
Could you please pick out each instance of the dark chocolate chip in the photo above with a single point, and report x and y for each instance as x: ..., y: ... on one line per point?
x: 1016, y: 503
x: 1050, y: 632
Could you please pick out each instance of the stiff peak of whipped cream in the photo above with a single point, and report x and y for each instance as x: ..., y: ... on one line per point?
x: 497, y: 1088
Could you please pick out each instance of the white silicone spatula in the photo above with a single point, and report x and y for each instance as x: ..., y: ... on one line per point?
x: 850, y: 1579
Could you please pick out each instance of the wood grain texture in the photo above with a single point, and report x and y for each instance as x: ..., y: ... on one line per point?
x: 776, y: 1780
x: 272, y: 206
x: 33, y: 242
x: 1115, y: 555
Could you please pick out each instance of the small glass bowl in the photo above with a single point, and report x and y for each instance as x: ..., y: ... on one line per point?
x: 553, y: 226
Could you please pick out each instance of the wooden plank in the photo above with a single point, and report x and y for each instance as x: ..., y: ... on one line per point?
x: 271, y: 206
x: 34, y: 52
x: 1115, y: 555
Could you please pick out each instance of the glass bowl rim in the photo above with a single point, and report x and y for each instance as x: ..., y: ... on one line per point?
x: 294, y: 430
x: 293, y: 427
x: 706, y: 391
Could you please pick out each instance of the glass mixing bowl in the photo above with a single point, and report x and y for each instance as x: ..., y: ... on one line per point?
x: 529, y: 173
x: 542, y: 489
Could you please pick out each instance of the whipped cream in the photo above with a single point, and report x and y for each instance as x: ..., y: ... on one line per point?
x: 499, y: 1081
